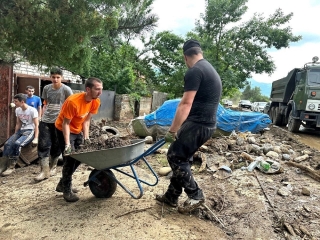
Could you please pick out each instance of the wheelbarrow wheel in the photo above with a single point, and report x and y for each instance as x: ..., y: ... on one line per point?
x: 105, y: 186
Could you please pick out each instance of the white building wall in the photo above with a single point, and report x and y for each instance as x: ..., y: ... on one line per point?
x: 26, y: 68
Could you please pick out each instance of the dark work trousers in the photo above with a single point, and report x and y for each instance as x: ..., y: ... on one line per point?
x: 189, y: 138
x: 69, y: 164
x: 48, y: 144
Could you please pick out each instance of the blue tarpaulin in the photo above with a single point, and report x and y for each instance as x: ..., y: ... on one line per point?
x: 164, y: 115
x: 227, y: 119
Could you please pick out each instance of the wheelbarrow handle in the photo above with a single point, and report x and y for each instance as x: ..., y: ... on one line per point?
x: 154, y: 147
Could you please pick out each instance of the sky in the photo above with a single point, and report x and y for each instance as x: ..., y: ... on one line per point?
x: 179, y: 17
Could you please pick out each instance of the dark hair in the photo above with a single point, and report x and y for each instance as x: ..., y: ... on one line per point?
x: 90, y: 82
x: 56, y: 71
x: 29, y: 87
x: 193, y: 51
x: 20, y: 97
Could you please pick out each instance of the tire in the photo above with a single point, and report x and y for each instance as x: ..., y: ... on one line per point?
x: 107, y: 185
x: 115, y: 132
x: 293, y: 124
x: 271, y: 114
x: 277, y: 119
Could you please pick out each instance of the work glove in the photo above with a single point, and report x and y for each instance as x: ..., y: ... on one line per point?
x: 67, y: 150
x: 170, y: 136
x: 87, y: 142
x: 34, y: 142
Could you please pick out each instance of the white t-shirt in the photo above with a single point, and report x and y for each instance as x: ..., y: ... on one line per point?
x: 27, y: 117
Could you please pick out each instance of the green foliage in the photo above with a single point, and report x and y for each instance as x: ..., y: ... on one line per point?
x: 236, y: 51
x: 254, y: 94
x: 66, y: 32
x: 167, y: 61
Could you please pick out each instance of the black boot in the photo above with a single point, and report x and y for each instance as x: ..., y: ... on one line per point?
x: 59, y: 187
x: 68, y: 195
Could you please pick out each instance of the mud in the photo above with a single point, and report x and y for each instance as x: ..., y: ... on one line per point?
x: 239, y: 204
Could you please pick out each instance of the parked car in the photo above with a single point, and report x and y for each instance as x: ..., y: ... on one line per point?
x: 229, y: 103
x: 259, y: 106
x: 245, y: 104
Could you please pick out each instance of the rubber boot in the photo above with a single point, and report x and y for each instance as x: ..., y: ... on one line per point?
x: 68, y: 195
x: 53, y: 165
x: 59, y: 187
x: 3, y: 164
x: 11, y: 166
x: 45, y: 170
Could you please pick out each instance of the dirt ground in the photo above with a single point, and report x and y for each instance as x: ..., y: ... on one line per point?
x: 239, y: 205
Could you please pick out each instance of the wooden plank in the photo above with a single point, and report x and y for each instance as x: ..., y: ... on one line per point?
x: 29, y: 154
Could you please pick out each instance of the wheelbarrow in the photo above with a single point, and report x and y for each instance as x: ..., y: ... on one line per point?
x: 102, y: 182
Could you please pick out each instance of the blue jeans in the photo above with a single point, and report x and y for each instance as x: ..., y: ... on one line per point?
x: 13, y: 145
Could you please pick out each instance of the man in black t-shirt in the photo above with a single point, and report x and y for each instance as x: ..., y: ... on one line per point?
x: 193, y: 124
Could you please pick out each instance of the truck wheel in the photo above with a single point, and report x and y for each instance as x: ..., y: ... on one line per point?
x: 271, y: 114
x: 293, y: 124
x: 277, y: 119
x: 105, y: 186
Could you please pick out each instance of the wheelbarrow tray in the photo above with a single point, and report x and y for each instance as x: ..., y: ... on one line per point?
x: 107, y: 158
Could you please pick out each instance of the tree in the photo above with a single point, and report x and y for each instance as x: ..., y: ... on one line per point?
x: 254, y: 94
x: 63, y: 32
x: 236, y: 51
x: 164, y: 51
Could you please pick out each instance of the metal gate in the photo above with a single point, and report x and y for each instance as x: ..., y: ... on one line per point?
x: 6, y: 121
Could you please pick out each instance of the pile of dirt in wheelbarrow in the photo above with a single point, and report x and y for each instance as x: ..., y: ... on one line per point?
x: 104, y: 136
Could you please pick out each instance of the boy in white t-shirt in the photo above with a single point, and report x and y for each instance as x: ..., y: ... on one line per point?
x: 26, y: 130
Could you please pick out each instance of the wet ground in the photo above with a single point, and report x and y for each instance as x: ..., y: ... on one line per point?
x: 310, y: 137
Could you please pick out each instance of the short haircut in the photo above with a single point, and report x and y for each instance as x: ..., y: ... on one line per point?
x: 20, y: 97
x: 193, y: 51
x: 90, y: 82
x: 29, y: 87
x: 56, y: 71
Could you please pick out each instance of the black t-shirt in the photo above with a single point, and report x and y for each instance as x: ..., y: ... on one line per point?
x: 204, y: 79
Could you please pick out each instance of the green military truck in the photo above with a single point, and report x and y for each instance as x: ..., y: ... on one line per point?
x: 295, y: 99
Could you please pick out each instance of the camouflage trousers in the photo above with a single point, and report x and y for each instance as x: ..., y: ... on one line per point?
x: 189, y: 138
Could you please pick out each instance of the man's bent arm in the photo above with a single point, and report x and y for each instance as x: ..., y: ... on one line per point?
x: 86, y: 126
x: 66, y: 130
x: 183, y: 110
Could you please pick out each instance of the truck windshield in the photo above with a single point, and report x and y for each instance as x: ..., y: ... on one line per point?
x: 314, y: 77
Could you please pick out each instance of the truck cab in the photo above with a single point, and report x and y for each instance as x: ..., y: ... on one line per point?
x: 295, y: 99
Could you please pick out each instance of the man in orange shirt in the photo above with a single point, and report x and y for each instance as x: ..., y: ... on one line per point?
x: 72, y: 126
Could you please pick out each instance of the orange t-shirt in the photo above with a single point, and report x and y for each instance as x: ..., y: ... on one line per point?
x: 76, y: 109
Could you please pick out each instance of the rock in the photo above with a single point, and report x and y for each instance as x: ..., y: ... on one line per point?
x: 305, y: 191
x: 267, y: 148
x: 103, y: 137
x: 204, y: 147
x: 240, y: 141
x: 277, y: 149
x: 251, y: 140
x: 255, y: 148
x: 148, y: 139
x: 164, y: 171
x: 284, y: 191
x: 272, y: 155
x: 301, y: 158
x: 286, y: 157
x: 306, y: 152
x: 284, y: 149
